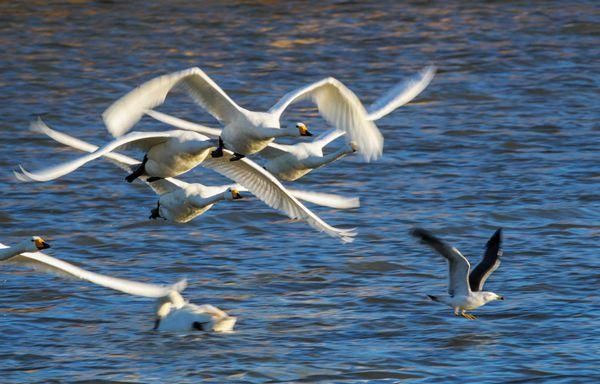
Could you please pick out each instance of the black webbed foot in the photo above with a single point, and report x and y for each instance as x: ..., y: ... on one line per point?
x: 236, y: 157
x: 153, y: 179
x: 155, y: 213
x: 198, y: 325
x: 139, y: 171
x: 219, y: 151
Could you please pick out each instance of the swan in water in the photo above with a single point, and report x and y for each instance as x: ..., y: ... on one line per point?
x: 291, y: 162
x: 465, y: 286
x: 245, y: 172
x: 180, y: 201
x: 34, y: 244
x: 173, y: 313
x: 168, y: 154
x: 247, y: 132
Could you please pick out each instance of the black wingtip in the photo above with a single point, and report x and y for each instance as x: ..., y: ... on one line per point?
x: 495, y: 239
x: 423, y: 234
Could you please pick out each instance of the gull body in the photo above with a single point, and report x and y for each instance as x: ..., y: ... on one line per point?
x: 247, y: 132
x: 181, y: 202
x: 465, y: 287
x: 173, y: 312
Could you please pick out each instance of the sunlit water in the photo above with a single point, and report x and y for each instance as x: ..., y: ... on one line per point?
x: 505, y: 136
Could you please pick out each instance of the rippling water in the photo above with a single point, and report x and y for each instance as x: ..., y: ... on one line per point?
x: 505, y: 136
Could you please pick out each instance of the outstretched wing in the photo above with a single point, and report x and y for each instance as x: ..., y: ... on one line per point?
x: 267, y: 188
x: 45, y: 263
x: 129, y: 109
x: 340, y: 107
x: 142, y: 140
x: 489, y: 263
x: 183, y: 124
x: 126, y: 163
x: 458, y: 265
x: 401, y: 94
x: 326, y: 199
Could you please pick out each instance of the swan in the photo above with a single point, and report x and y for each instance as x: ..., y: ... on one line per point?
x: 168, y: 154
x: 245, y: 172
x: 247, y: 132
x: 34, y: 244
x: 180, y: 201
x: 465, y: 286
x: 173, y: 313
x: 291, y: 162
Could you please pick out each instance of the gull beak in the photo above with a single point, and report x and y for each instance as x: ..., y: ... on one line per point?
x: 500, y: 297
x: 235, y: 194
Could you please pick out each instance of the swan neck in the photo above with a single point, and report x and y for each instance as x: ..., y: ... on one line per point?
x: 285, y: 132
x: 202, y: 202
x: 6, y: 253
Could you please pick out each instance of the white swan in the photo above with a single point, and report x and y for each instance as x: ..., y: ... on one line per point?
x: 246, y: 132
x: 290, y: 162
x: 173, y: 313
x: 168, y: 154
x: 34, y: 244
x: 180, y: 201
x: 244, y: 172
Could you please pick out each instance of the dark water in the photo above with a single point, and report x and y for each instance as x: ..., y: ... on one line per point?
x: 505, y: 136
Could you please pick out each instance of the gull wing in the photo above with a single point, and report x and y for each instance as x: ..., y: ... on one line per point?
x: 401, y: 94
x: 489, y: 263
x: 341, y: 108
x: 458, y: 265
x: 142, y: 140
x: 126, y: 163
x: 45, y: 263
x: 129, y: 109
x: 267, y: 188
x: 183, y: 124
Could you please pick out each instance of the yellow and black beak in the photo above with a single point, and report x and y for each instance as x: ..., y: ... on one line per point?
x: 303, y: 129
x: 41, y: 244
x: 235, y: 194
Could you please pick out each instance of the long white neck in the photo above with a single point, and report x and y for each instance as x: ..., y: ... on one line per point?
x: 7, y: 253
x: 200, y: 202
x: 283, y: 132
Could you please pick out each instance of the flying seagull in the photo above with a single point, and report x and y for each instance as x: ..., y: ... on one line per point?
x: 464, y: 288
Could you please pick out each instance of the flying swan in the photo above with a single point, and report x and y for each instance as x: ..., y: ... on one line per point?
x: 180, y: 201
x: 173, y: 312
x: 247, y: 132
x: 464, y: 288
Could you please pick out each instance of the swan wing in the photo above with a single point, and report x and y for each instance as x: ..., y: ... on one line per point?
x: 143, y: 140
x: 341, y: 108
x: 273, y: 150
x: 326, y: 199
x: 129, y: 109
x: 183, y: 124
x: 401, y: 94
x: 45, y: 263
x: 267, y: 188
x: 327, y: 137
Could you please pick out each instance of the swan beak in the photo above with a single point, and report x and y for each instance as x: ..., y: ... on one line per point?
x: 235, y: 194
x: 41, y: 244
x: 303, y: 129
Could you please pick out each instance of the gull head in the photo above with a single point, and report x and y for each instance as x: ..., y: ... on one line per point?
x: 37, y: 244
x: 491, y: 296
x: 303, y: 129
x: 232, y: 194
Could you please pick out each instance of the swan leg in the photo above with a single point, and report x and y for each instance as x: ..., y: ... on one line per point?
x: 155, y: 213
x: 198, y: 325
x: 237, y: 156
x: 156, y: 324
x: 139, y: 171
x: 219, y: 151
x: 153, y: 179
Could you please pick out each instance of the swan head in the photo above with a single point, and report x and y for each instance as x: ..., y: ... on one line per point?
x: 232, y: 194
x: 36, y: 244
x: 166, y: 304
x: 303, y: 129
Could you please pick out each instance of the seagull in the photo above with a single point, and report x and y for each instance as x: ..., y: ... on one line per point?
x: 247, y: 132
x: 291, y: 162
x: 173, y: 313
x: 168, y: 154
x: 33, y: 244
x: 180, y: 201
x: 464, y: 288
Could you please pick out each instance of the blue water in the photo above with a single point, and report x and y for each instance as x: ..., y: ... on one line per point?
x: 505, y: 136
